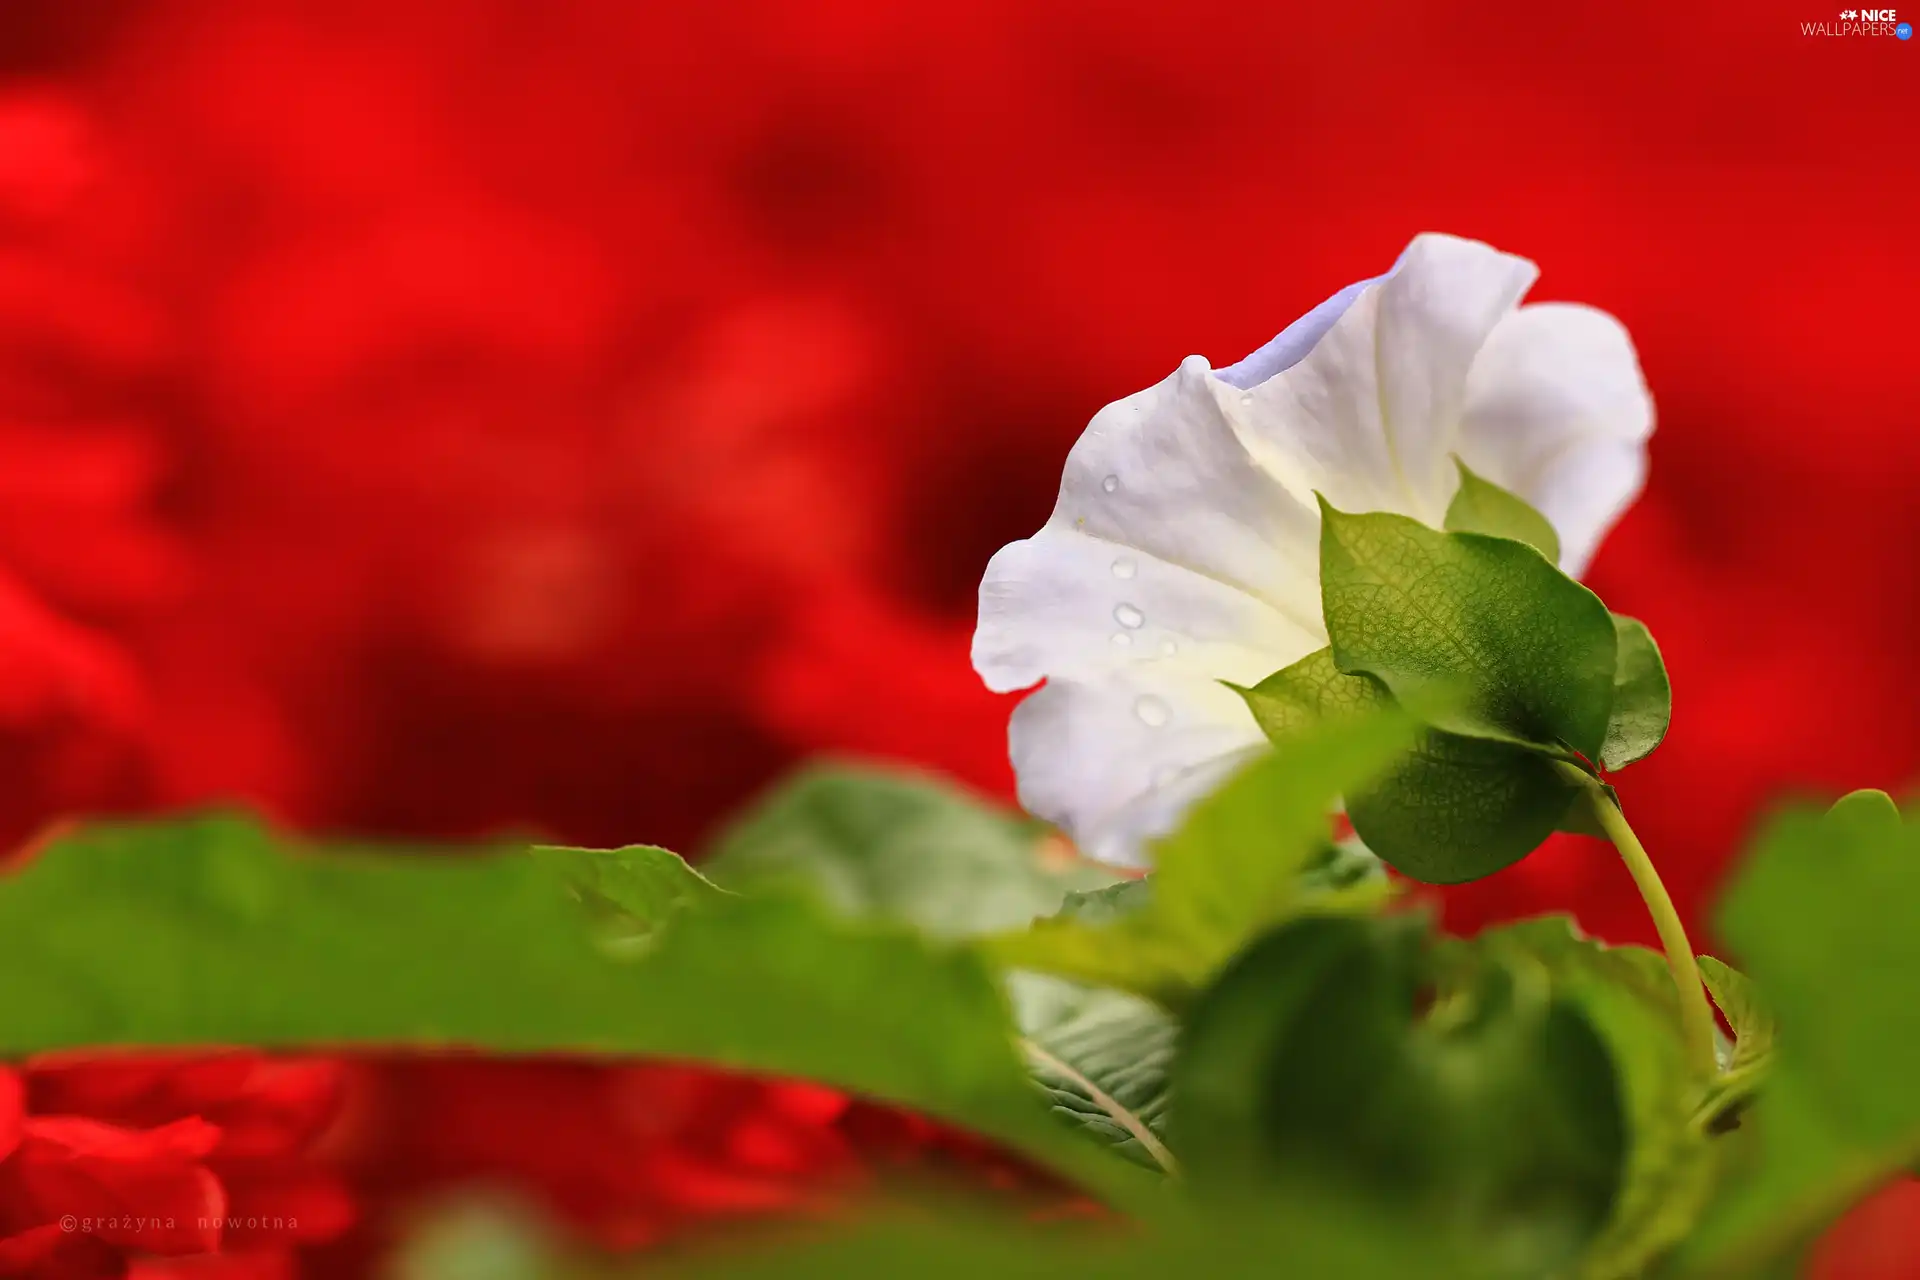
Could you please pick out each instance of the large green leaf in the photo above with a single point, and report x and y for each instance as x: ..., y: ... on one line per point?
x: 1642, y: 696
x: 1481, y: 506
x: 206, y: 932
x: 1413, y: 607
x: 1493, y: 1118
x: 1823, y: 917
x: 1234, y: 867
x: 1309, y: 1236
x: 1628, y: 996
x: 1452, y: 808
x: 897, y: 844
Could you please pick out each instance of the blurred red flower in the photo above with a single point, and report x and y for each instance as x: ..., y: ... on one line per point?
x: 429, y: 419
x: 107, y: 1162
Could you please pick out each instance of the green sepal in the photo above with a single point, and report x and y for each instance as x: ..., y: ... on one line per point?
x: 1642, y: 696
x: 1532, y: 650
x: 1481, y: 506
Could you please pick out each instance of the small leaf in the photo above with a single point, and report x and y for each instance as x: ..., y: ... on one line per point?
x: 1642, y: 696
x: 1481, y: 506
x: 900, y: 845
x: 1102, y: 1057
x: 1415, y: 608
x: 1106, y: 905
x: 640, y: 887
x: 1494, y: 1118
x: 1745, y: 1011
x: 1822, y: 916
x: 1234, y: 867
x: 1748, y: 1061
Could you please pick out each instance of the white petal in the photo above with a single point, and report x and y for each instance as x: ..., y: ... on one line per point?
x: 1062, y: 603
x: 1117, y: 760
x: 1293, y: 342
x: 1165, y: 472
x: 1558, y: 412
x: 1368, y: 416
x: 1436, y: 312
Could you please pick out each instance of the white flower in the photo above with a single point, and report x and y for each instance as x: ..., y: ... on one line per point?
x: 1184, y: 548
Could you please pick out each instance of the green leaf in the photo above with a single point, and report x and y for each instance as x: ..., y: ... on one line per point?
x: 1102, y: 1057
x: 1311, y: 691
x: 1234, y: 867
x: 1346, y: 876
x: 205, y: 932
x: 1823, y: 918
x: 1415, y: 608
x: 638, y: 888
x: 1627, y: 995
x: 1308, y: 1236
x: 1492, y: 1119
x: 1748, y: 1061
x: 1451, y: 809
x: 1746, y: 1012
x: 1456, y: 808
x: 896, y: 844
x: 1108, y: 904
x: 1642, y: 696
x: 1481, y: 506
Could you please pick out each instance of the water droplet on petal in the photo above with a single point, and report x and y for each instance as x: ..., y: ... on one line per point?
x: 1122, y: 640
x: 1128, y: 616
x: 1110, y: 483
x: 1124, y: 568
x: 1169, y: 647
x: 1152, y: 712
x: 1247, y: 398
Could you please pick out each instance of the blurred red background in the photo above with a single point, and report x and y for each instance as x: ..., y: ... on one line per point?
x: 432, y: 418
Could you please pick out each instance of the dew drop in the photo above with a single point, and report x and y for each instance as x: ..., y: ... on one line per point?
x: 1247, y: 398
x: 1169, y: 647
x: 1122, y: 640
x: 1124, y: 568
x: 1110, y: 483
x: 1128, y: 616
x: 1152, y: 712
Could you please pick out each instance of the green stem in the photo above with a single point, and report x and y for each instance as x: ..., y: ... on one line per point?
x: 1696, y: 1015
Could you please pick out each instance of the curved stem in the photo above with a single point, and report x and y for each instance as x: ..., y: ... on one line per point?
x: 1696, y: 1015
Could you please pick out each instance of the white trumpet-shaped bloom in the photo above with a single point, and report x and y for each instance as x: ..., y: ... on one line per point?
x: 1184, y: 548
